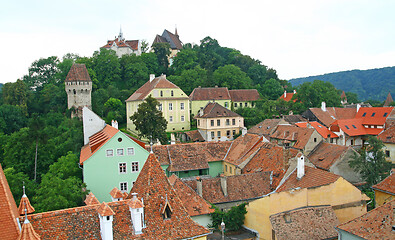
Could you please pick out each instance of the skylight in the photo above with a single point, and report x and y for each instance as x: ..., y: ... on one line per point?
x: 347, y: 127
x: 354, y: 126
x: 364, y: 114
x: 373, y: 114
x: 385, y: 114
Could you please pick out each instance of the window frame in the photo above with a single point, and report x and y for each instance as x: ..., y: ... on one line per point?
x: 122, y: 168
x: 125, y: 184
x: 182, y: 106
x: 123, y: 152
x: 130, y: 148
x: 170, y: 106
x: 134, y: 167
x: 109, y: 155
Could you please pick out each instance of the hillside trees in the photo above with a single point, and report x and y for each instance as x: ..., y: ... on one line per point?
x: 311, y: 94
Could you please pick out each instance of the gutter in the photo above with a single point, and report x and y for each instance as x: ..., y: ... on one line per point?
x: 198, y: 236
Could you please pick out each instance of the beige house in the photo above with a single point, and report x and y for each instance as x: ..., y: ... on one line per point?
x: 388, y: 138
x: 174, y: 103
x: 244, y: 97
x: 216, y: 123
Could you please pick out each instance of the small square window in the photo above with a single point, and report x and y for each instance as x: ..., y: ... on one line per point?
x: 385, y: 114
x: 109, y: 152
x: 315, y: 139
x: 212, y: 135
x: 122, y: 167
x: 235, y: 104
x: 135, y: 166
x: 245, y: 104
x: 120, y: 151
x: 160, y: 107
x: 182, y: 106
x: 172, y: 93
x: 219, y: 134
x: 170, y: 118
x: 234, y: 132
x: 123, y: 186
x: 130, y: 151
x: 182, y: 118
x: 373, y: 114
x: 228, y: 133
x: 170, y: 106
x: 226, y: 104
x: 227, y: 122
x: 387, y: 153
x: 364, y: 114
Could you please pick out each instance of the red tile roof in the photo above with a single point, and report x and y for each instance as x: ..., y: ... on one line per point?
x: 244, y: 95
x: 333, y: 113
x: 25, y: 204
x: 91, y: 199
x: 239, y: 187
x: 375, y: 224
x: 264, y: 128
x: 8, y: 211
x: 28, y: 232
x: 316, y: 222
x: 321, y: 129
x: 295, y: 134
x: 104, y: 210
x: 158, y: 82
x: 242, y: 146
x: 387, y: 185
x: 116, y: 193
x: 214, y: 110
x: 294, y: 118
x: 203, y: 94
x: 388, y: 100
x: 195, y: 136
x: 325, y: 155
x: 78, y: 72
x: 133, y: 44
x: 354, y: 127
x: 312, y: 178
x: 288, y: 97
x: 388, y: 135
x: 374, y: 115
x: 168, y: 37
x: 134, y: 202
x: 154, y: 187
x: 193, y: 203
x: 96, y: 141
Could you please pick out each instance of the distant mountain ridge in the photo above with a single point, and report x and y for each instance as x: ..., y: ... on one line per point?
x: 368, y: 84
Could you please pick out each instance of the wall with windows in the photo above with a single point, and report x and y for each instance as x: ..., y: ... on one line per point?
x: 237, y: 105
x: 196, y: 105
x: 389, y: 150
x: 116, y: 164
x: 219, y: 129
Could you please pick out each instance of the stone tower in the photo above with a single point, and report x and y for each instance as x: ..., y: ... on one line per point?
x: 78, y: 86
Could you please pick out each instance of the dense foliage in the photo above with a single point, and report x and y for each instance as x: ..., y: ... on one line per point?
x: 233, y: 219
x: 367, y: 84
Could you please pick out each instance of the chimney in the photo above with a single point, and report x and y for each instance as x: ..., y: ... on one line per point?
x: 172, y: 139
x: 201, y: 112
x: 294, y: 91
x: 308, y: 125
x: 106, y: 217
x: 224, y: 186
x: 285, y: 93
x: 199, y: 186
x: 136, y: 208
x: 151, y: 77
x: 323, y: 106
x: 243, y: 131
x: 300, y: 167
x: 114, y: 124
x: 358, y: 107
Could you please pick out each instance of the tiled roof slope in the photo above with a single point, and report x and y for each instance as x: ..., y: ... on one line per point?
x: 388, y: 135
x: 128, y: 43
x: 116, y: 193
x: 312, y: 178
x: 321, y: 129
x: 270, y: 157
x: 143, y: 91
x: 28, y: 232
x: 333, y: 113
x: 193, y: 203
x: 78, y: 72
x: 354, y: 127
x: 173, y: 39
x: 387, y: 185
x: 242, y: 146
x: 96, y: 141
x: 104, y: 210
x: 195, y: 136
x: 305, y: 223
x: 24, y: 204
x: 325, y: 155
x: 293, y: 133
x: 91, y: 199
x: 388, y: 100
x: 8, y: 211
x: 202, y: 94
x: 239, y: 187
x: 292, y: 119
x: 288, y: 97
x: 264, y: 128
x: 375, y: 224
x: 374, y: 115
x: 214, y: 110
x: 154, y: 187
x: 244, y: 95
x: 189, y: 153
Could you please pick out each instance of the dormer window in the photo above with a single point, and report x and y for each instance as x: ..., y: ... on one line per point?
x: 354, y: 126
x: 347, y: 127
x: 385, y: 114
x: 373, y: 114
x: 364, y: 114
x: 167, y: 212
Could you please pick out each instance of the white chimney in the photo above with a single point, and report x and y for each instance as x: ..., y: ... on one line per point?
x: 106, y: 218
x: 323, y: 106
x: 300, y: 167
x: 201, y: 112
x: 172, y: 139
x: 243, y: 131
x: 199, y: 186
x: 224, y: 186
x: 136, y: 208
x: 285, y: 94
x: 358, y: 107
x: 151, y: 77
x: 114, y: 124
x: 294, y: 91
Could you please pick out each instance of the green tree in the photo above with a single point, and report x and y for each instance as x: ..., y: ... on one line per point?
x: 371, y: 163
x: 16, y: 181
x: 311, y: 94
x: 62, y: 186
x: 107, y: 67
x: 13, y: 117
x: 114, y: 109
x: 190, y: 79
x: 15, y: 94
x: 232, y: 77
x: 352, y: 97
x: 186, y: 59
x: 271, y: 89
x: 162, y: 52
x: 41, y: 72
x: 233, y: 219
x: 149, y: 121
x: 144, y: 46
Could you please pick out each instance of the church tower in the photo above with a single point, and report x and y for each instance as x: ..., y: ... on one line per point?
x: 78, y: 86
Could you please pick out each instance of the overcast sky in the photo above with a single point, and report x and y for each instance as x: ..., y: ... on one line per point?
x: 297, y: 38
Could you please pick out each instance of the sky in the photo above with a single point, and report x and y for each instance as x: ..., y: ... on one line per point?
x: 296, y: 38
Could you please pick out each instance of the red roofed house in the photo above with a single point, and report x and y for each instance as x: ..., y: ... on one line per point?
x: 216, y: 123
x: 122, y: 46
x: 326, y: 134
x: 327, y: 115
x: 244, y: 97
x: 376, y: 224
x: 384, y: 191
x: 388, y: 138
x: 174, y: 103
x: 288, y: 96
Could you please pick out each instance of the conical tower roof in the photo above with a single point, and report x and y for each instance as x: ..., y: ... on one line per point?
x: 389, y: 100
x: 28, y: 232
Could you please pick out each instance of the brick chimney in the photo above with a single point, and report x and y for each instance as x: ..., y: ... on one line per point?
x: 224, y: 186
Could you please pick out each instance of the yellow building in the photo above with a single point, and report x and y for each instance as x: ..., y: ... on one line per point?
x: 388, y: 138
x: 200, y: 97
x: 385, y: 190
x: 313, y: 187
x: 216, y: 123
x: 174, y: 103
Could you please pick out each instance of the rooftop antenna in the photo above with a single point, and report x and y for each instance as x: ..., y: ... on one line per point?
x: 151, y: 145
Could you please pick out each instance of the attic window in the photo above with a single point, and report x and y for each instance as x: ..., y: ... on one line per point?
x: 385, y: 114
x: 364, y: 114
x: 347, y: 127
x: 354, y: 126
x: 373, y: 114
x: 287, y: 218
x: 167, y: 213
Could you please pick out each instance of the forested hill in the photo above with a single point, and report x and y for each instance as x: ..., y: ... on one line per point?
x: 1, y: 85
x: 368, y: 84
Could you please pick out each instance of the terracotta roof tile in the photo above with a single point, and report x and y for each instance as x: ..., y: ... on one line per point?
x: 325, y: 154
x: 292, y: 119
x: 195, y: 136
x: 333, y: 113
x: 193, y: 203
x: 172, y: 39
x: 91, y: 199
x: 239, y: 187
x: 374, y: 115
x: 28, y: 232
x: 312, y: 178
x: 242, y: 146
x: 25, y: 204
x: 104, y: 210
x: 8, y: 211
x: 388, y: 135
x: 292, y: 133
x: 133, y: 44
x: 158, y: 82
x: 388, y: 100
x: 134, y: 202
x: 78, y: 72
x: 305, y: 223
x: 354, y: 127
x: 288, y: 97
x: 205, y: 94
x: 265, y: 128
x: 244, y: 95
x: 214, y: 110
x: 116, y: 193
x: 387, y: 185
x: 321, y: 129
x: 154, y: 187
x: 375, y: 224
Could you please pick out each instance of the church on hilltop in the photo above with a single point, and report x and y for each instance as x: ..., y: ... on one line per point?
x: 122, y: 46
